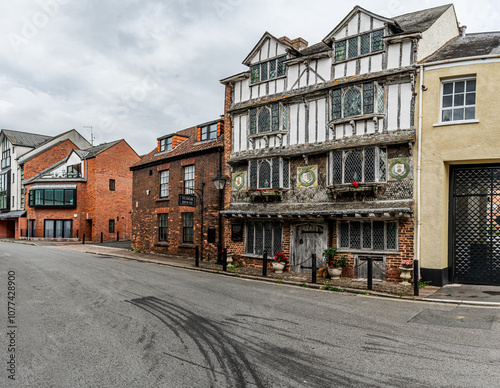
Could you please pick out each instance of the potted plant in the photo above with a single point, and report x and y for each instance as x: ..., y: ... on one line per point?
x: 334, y: 263
x: 229, y: 255
x: 279, y: 262
x: 406, y: 267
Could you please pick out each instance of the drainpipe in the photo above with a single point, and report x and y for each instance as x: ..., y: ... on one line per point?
x: 419, y: 162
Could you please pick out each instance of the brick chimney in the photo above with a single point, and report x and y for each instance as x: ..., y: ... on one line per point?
x: 297, y: 44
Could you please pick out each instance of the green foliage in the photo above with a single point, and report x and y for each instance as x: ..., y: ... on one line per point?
x: 333, y: 288
x: 279, y: 281
x: 330, y: 254
x: 304, y: 285
x: 424, y: 284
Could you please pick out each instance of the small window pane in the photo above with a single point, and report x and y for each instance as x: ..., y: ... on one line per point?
x: 272, y: 69
x: 447, y: 101
x: 459, y: 99
x: 259, y: 238
x: 368, y: 97
x: 458, y: 114
x: 365, y: 44
x: 265, y: 175
x: 352, y: 102
x: 264, y: 120
x: 255, y: 74
x: 470, y: 99
x: 377, y: 43
x: 253, y: 175
x: 367, y: 235
x: 250, y: 226
x: 459, y: 86
x: 253, y: 121
x: 447, y: 114
x: 370, y: 165
x: 340, y: 50
x: 353, y: 47
x: 49, y: 197
x: 355, y: 235
x: 344, y: 234
x: 470, y: 113
x: 353, y: 169
x: 68, y: 197
x: 392, y: 235
x: 378, y: 235
x: 275, y: 117
x: 263, y: 71
x: 448, y: 88
x: 58, y: 197
x: 286, y: 173
x: 281, y: 66
x: 471, y: 86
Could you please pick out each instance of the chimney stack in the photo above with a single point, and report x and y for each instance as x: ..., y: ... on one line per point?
x: 463, y: 29
x: 297, y: 44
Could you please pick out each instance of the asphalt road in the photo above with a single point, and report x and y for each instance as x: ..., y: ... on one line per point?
x: 91, y: 321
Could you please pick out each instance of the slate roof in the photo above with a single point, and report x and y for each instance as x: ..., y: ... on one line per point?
x: 25, y: 139
x: 315, y: 49
x: 472, y: 45
x: 420, y: 21
x: 92, y: 152
x: 189, y: 146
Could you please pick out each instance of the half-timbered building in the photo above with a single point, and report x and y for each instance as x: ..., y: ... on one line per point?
x: 320, y: 138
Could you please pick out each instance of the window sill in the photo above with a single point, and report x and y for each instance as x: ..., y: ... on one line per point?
x: 267, y: 80
x: 252, y: 256
x: 456, y: 123
x: 187, y: 245
x: 368, y: 252
x: 340, y: 61
x: 344, y: 120
x: 269, y: 133
x: 163, y: 199
x: 162, y: 244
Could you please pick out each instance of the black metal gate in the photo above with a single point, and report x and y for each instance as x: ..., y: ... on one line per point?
x: 475, y: 225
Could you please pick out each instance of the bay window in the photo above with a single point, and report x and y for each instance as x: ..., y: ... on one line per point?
x: 364, y: 165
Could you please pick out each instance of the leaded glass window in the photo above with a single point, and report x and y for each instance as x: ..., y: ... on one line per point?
x: 276, y: 173
x: 263, y: 71
x: 268, y: 70
x: 253, y: 174
x: 353, y: 47
x: 365, y: 44
x: 337, y: 104
x: 382, y: 159
x: 368, y: 235
x: 255, y: 73
x: 380, y: 98
x: 272, y: 69
x: 370, y: 165
x: 264, y: 120
x: 281, y: 66
x: 353, y: 170
x: 352, y: 102
x: 286, y: 173
x: 275, y: 117
x: 284, y: 118
x: 262, y: 236
x: 253, y: 121
x: 458, y: 101
x: 264, y: 175
x: 377, y: 43
x: 368, y: 98
x: 340, y: 50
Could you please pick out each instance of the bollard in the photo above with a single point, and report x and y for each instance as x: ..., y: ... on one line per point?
x: 416, y: 288
x: 224, y: 260
x: 102, y: 237
x: 219, y: 253
x: 196, y: 256
x: 370, y: 273
x: 76, y: 233
x: 264, y: 264
x: 83, y: 239
x: 117, y: 236
x: 313, y: 280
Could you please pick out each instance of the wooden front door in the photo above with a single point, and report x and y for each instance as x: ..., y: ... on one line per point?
x: 308, y: 238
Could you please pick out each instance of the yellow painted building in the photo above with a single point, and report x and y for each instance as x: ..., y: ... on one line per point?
x: 457, y: 187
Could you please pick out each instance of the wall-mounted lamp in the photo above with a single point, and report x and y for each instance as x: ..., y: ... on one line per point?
x: 424, y: 88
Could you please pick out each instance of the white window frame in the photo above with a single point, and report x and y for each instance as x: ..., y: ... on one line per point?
x: 164, y: 183
x: 464, y: 106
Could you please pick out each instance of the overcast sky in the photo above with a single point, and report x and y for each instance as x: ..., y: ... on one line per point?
x: 140, y: 69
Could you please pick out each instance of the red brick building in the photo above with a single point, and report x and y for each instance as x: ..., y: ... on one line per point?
x: 75, y: 193
x: 175, y: 205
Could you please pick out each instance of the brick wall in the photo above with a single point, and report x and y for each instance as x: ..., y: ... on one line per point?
x: 48, y: 158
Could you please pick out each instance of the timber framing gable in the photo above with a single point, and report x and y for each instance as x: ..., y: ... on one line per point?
x: 260, y: 43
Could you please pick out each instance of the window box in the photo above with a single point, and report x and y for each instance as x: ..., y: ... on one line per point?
x: 264, y: 195
x: 364, y: 189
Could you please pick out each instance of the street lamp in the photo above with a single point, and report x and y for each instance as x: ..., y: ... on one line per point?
x: 220, y: 183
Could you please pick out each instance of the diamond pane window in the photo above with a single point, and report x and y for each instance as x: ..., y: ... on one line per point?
x: 264, y: 120
x: 259, y: 238
x: 340, y: 50
x: 268, y: 238
x: 365, y: 44
x: 286, y: 173
x: 352, y: 102
x: 255, y: 74
x: 253, y: 175
x: 370, y: 165
x: 264, y: 175
x: 253, y: 121
x: 250, y: 228
x: 284, y: 118
x: 378, y: 235
x: 355, y: 235
x: 344, y: 234
x: 277, y: 237
x: 272, y: 69
x: 353, y: 170
x: 281, y: 66
x: 382, y: 159
x: 368, y: 97
x: 275, y: 117
x: 337, y: 167
x: 263, y: 71
x: 458, y: 101
x: 380, y: 98
x: 377, y: 43
x: 392, y: 235
x: 337, y: 104
x: 353, y: 47
x: 367, y: 235
x: 276, y: 173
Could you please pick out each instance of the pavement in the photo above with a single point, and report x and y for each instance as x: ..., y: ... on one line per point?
x: 466, y: 294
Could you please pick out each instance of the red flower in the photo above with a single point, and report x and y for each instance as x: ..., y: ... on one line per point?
x: 355, y: 184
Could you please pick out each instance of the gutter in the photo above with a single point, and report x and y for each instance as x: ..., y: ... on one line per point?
x: 462, y: 59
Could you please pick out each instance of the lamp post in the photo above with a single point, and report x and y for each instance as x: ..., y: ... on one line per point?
x: 220, y: 183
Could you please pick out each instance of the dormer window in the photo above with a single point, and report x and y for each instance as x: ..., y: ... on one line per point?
x: 268, y: 70
x: 166, y: 144
x: 208, y: 132
x: 359, y: 45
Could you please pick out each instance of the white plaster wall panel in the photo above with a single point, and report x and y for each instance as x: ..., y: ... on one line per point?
x: 301, y: 123
x: 406, y: 95
x: 281, y: 49
x: 339, y: 70
x: 393, y: 56
x: 377, y: 23
x: 364, y: 65
x: 292, y: 75
x: 236, y: 133
x: 353, y: 26
x: 272, y: 87
x: 243, y: 132
x: 381, y: 124
x: 324, y: 68
x: 376, y: 63
x: 293, y: 123
x: 348, y: 130
x: 370, y: 126
x: 312, y: 74
x: 237, y: 92
x: 392, y: 110
x: 365, y: 22
x: 321, y: 120
x: 360, y: 128
x: 339, y: 131
x: 341, y: 34
x: 73, y: 159
x: 245, y: 90
x: 444, y: 29
x: 351, y: 68
x: 264, y: 51
x: 406, y: 58
x: 280, y: 85
x: 312, y: 122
